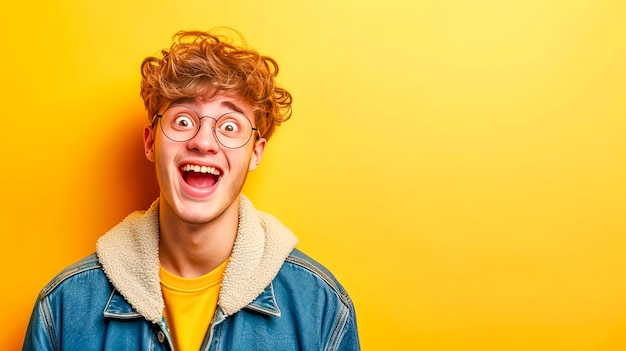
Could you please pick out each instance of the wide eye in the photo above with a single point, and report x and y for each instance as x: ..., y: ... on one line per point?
x: 229, y: 126
x: 182, y: 122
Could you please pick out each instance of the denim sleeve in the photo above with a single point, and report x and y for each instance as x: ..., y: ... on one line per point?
x: 350, y: 339
x: 40, y: 331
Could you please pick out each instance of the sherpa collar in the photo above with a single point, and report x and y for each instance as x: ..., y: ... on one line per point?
x: 129, y: 254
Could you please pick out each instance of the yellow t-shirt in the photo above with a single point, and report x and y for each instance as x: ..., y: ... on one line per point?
x: 190, y: 304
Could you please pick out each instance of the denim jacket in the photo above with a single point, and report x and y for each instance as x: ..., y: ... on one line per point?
x: 273, y: 297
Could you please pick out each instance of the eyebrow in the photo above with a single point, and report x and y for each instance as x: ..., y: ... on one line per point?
x: 231, y: 105
x: 187, y: 100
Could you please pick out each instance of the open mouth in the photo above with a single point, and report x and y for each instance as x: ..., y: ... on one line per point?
x: 200, y: 176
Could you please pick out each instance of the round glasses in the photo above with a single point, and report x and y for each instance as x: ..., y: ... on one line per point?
x: 180, y: 123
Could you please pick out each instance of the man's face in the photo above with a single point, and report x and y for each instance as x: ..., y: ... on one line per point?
x: 200, y: 179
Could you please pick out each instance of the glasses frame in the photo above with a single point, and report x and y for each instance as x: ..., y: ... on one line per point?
x: 160, y: 117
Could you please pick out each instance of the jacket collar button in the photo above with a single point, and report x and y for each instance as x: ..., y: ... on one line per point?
x: 161, y: 336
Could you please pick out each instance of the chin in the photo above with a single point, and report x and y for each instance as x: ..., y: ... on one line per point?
x: 198, y: 215
x: 206, y: 212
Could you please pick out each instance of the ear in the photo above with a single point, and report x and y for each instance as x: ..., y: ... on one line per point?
x: 257, y: 152
x: 148, y: 142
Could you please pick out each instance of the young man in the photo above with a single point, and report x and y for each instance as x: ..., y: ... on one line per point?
x: 201, y: 269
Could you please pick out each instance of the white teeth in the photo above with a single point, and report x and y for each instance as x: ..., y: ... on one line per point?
x: 200, y: 169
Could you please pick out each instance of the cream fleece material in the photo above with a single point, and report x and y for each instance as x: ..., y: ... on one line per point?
x: 129, y: 254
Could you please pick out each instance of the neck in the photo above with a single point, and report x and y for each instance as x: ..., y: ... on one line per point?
x: 189, y: 249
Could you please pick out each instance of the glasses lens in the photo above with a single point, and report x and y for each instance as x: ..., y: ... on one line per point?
x: 232, y: 130
x: 180, y: 123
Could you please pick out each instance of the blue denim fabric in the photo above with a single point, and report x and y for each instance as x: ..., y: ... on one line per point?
x: 304, y: 308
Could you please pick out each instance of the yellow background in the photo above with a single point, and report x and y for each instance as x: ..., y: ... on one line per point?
x: 458, y: 164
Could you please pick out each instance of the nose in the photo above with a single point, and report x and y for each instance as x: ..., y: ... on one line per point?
x: 205, y: 139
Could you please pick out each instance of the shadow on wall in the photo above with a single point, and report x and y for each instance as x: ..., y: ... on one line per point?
x: 128, y: 178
